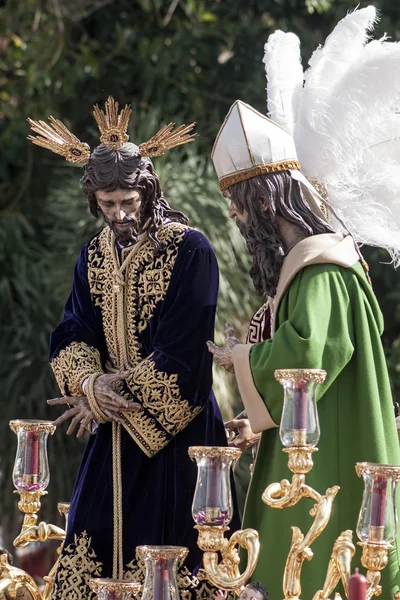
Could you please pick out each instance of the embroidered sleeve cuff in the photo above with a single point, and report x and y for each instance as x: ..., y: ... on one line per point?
x: 257, y: 412
x: 73, y: 365
x: 163, y: 412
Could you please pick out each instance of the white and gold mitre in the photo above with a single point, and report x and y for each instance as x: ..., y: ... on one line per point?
x: 250, y: 144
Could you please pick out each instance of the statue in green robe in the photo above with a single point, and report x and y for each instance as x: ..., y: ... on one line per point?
x: 321, y: 314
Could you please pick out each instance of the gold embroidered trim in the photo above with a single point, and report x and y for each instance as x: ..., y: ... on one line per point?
x: 146, y: 432
x: 163, y: 410
x: 160, y: 395
x: 77, y: 565
x: 284, y: 165
x: 73, y: 364
x: 146, y: 284
x: 151, y: 277
x: 127, y: 307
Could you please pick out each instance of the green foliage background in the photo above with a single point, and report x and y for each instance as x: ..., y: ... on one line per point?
x: 175, y: 60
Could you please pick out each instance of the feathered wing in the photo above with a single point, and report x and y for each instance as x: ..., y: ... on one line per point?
x: 348, y: 130
x: 328, y: 64
x: 285, y: 77
x: 342, y: 47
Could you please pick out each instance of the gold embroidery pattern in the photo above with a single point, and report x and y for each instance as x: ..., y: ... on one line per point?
x: 100, y: 270
x: 73, y: 365
x: 161, y: 396
x: 77, y: 565
x: 146, y: 284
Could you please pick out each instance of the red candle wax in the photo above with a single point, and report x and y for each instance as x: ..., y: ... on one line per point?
x: 32, y: 453
x: 165, y: 581
x: 378, y: 502
x: 161, y: 578
x: 357, y: 586
x: 213, y: 484
x: 300, y: 401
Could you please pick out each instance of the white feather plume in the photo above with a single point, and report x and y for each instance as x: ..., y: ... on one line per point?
x: 285, y: 77
x: 347, y: 131
x: 342, y: 47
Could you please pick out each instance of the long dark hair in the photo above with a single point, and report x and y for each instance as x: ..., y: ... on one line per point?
x: 265, y: 197
x: 281, y: 194
x: 124, y: 168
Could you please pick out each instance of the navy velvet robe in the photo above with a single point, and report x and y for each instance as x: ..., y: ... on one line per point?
x: 169, y: 308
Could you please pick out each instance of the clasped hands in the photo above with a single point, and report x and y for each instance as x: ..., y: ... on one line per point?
x: 107, y: 399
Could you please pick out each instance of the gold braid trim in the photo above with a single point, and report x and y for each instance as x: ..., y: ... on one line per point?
x: 283, y: 165
x: 121, y: 291
x: 95, y: 408
x: 118, y: 556
x: 73, y: 364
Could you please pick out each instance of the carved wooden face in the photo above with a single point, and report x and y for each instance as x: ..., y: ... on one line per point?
x: 121, y: 211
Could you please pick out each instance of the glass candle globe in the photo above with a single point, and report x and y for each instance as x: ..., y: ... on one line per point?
x: 377, y: 520
x: 299, y: 423
x: 162, y: 564
x: 31, y: 468
x: 212, y: 502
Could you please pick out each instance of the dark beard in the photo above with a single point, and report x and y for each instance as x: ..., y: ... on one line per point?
x: 126, y: 236
x: 265, y: 247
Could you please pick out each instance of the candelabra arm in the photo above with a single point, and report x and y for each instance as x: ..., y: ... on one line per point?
x: 226, y: 575
x: 339, y: 567
x: 283, y: 495
x: 39, y: 533
x: 63, y: 509
x: 49, y: 581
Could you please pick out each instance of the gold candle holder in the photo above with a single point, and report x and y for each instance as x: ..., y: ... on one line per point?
x: 162, y: 563
x: 31, y: 477
x: 114, y: 589
x: 375, y: 534
x: 212, y: 512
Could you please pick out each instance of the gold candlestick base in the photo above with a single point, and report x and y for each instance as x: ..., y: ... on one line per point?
x: 300, y: 458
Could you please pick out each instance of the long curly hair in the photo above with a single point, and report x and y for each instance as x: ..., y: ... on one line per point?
x: 265, y: 197
x: 125, y: 168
